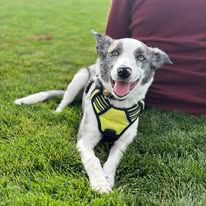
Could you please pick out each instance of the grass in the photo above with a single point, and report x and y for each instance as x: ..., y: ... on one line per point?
x: 39, y: 164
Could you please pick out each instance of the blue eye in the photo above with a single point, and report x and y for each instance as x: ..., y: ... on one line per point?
x: 140, y: 58
x: 114, y: 53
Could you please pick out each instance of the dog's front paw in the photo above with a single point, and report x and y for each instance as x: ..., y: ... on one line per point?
x: 101, y: 186
x: 109, y: 177
x: 110, y: 180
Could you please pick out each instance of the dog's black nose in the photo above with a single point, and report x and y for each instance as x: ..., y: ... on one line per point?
x: 124, y: 72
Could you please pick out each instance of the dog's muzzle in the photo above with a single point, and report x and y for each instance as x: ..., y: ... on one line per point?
x: 122, y: 85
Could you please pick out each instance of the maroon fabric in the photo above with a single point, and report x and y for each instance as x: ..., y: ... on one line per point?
x: 178, y: 27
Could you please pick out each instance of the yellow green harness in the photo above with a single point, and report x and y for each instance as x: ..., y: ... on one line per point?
x: 113, y: 121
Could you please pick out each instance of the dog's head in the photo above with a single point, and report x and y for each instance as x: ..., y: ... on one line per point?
x: 127, y: 65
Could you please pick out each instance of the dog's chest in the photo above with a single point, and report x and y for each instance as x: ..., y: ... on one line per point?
x: 112, y: 122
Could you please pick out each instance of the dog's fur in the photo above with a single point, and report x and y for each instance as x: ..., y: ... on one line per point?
x: 143, y: 61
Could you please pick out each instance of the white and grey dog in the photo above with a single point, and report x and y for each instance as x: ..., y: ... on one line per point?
x: 112, y: 91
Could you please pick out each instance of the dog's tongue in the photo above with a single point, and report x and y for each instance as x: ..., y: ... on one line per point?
x: 121, y: 88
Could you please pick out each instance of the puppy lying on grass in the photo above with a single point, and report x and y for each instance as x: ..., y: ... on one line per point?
x: 113, y: 91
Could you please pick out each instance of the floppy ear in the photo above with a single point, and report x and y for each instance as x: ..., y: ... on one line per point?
x: 159, y: 58
x: 102, y: 43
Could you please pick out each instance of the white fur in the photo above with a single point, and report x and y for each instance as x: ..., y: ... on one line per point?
x: 78, y: 82
x: 39, y: 97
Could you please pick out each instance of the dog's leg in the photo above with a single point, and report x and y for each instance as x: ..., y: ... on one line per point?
x: 74, y: 88
x: 87, y: 140
x: 93, y: 167
x: 39, y: 97
x: 115, y: 155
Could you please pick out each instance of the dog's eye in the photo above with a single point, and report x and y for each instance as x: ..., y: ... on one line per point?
x: 140, y: 58
x: 114, y: 53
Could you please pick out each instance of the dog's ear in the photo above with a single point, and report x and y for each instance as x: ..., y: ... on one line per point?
x: 103, y: 43
x: 159, y: 58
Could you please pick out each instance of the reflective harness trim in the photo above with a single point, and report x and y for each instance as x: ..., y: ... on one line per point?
x: 113, y: 121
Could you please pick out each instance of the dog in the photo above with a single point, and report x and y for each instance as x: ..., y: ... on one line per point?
x: 113, y: 92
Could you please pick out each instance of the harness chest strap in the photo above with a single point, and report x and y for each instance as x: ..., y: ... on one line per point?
x: 112, y: 121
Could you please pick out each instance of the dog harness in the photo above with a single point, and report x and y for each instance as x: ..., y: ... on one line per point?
x: 113, y: 121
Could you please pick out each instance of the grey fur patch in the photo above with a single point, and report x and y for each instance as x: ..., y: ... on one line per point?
x: 154, y: 59
x: 144, y: 52
x: 117, y: 45
x: 103, y: 42
x: 141, y: 51
x: 148, y: 74
x: 146, y: 64
x: 106, y: 64
x: 159, y: 58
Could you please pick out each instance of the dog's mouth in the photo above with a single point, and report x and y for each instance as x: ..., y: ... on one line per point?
x: 122, y: 88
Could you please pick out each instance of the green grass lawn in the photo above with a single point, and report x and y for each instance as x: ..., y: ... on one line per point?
x: 39, y: 163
